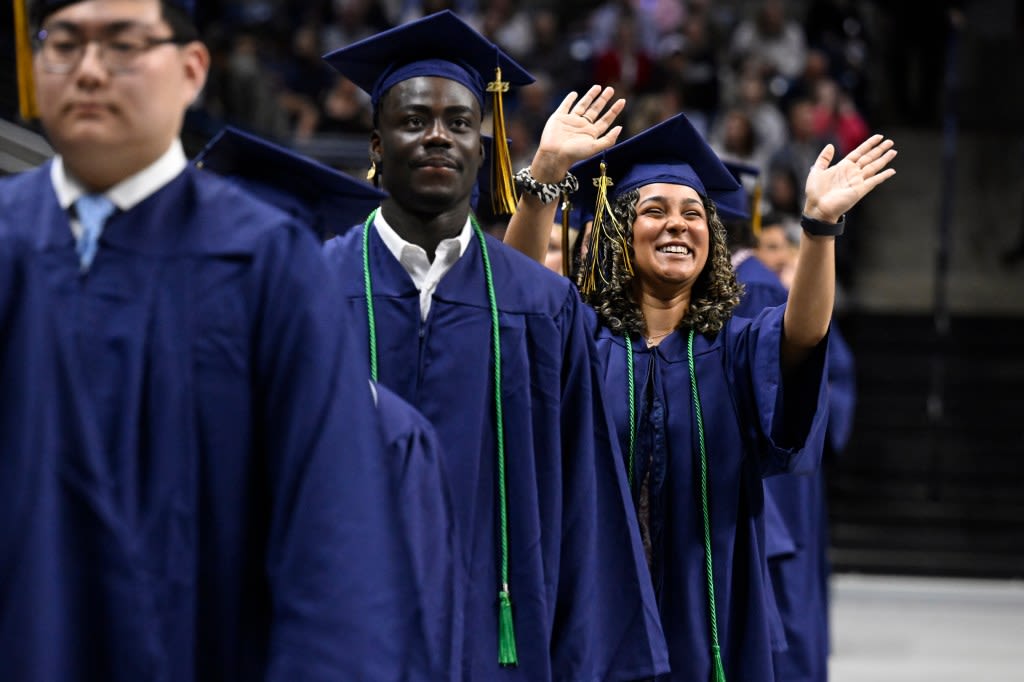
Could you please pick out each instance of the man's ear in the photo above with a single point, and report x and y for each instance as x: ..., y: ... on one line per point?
x: 376, y: 166
x: 196, y: 66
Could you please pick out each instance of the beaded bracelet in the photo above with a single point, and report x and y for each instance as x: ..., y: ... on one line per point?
x: 545, y: 191
x: 819, y: 228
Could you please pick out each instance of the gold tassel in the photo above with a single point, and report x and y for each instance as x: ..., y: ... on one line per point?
x: 566, y: 256
x: 370, y: 174
x: 503, y: 189
x: 23, y: 55
x: 755, y: 211
x: 605, y: 227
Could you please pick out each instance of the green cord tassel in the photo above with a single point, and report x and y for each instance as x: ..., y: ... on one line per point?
x: 506, y: 631
x: 719, y: 675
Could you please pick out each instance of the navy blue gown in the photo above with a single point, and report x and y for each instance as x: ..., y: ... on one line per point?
x: 428, y: 527
x: 581, y: 597
x: 239, y: 516
x: 797, y: 560
x: 753, y: 429
x: 39, y: 433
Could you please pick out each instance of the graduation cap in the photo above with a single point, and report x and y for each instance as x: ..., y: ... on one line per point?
x: 672, y: 151
x: 444, y: 46
x: 319, y: 195
x: 741, y: 205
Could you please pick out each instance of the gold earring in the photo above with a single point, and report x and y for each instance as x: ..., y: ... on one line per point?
x: 370, y: 174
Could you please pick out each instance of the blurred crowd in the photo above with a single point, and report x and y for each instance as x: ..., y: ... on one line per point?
x: 768, y: 82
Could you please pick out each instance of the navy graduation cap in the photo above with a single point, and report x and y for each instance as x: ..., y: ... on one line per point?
x: 439, y: 45
x: 325, y: 198
x: 444, y: 46
x: 672, y: 151
x: 736, y: 205
x: 743, y: 205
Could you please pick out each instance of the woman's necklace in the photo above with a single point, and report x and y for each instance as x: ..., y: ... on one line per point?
x: 651, y: 340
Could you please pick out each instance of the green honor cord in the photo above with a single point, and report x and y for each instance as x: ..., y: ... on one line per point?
x: 506, y: 629
x: 631, y: 387
x: 368, y: 294
x: 718, y: 672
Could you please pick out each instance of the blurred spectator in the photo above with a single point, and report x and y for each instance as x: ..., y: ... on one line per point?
x: 352, y: 20
x: 734, y: 139
x: 307, y: 77
x: 404, y: 11
x: 816, y: 69
x: 562, y: 54
x: 534, y: 103
x: 800, y: 152
x: 778, y: 245
x: 774, y: 40
x: 345, y: 109
x: 606, y: 20
x: 769, y: 123
x: 647, y: 110
x: 782, y: 193
x: 625, y: 64
x: 689, y: 63
x: 836, y: 116
x: 508, y: 24
x: 838, y: 29
x: 248, y: 92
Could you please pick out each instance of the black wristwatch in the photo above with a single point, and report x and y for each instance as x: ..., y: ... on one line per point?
x: 819, y: 228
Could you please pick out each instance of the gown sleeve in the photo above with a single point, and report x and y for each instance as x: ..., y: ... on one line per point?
x: 429, y: 531
x: 786, y: 415
x: 335, y: 563
x: 608, y: 614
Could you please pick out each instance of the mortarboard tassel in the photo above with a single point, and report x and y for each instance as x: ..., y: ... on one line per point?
x: 588, y: 273
x: 606, y: 227
x: 23, y: 55
x: 566, y: 256
x: 503, y: 190
x: 755, y: 211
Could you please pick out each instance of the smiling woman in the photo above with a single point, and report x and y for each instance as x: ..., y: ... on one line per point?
x: 705, y: 404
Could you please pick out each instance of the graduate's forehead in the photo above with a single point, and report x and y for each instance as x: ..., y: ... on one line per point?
x: 430, y: 92
x: 668, y: 192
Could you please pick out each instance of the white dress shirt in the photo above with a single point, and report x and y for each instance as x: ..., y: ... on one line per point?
x: 125, y: 194
x: 425, y: 275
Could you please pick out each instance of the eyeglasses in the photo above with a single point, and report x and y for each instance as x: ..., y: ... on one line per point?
x: 60, y: 50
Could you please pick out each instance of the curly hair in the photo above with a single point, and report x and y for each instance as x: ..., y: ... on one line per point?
x: 715, y: 293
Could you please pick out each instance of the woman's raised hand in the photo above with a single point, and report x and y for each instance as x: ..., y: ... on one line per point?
x: 831, y: 191
x: 579, y: 128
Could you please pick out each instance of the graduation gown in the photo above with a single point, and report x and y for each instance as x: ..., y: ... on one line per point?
x: 428, y: 524
x: 238, y: 515
x: 580, y: 595
x: 798, y: 543
x: 762, y: 289
x: 752, y: 429
x: 38, y: 430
